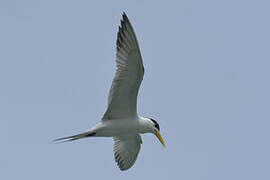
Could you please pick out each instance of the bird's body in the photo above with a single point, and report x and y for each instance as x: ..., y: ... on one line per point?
x: 121, y: 120
x: 112, y: 128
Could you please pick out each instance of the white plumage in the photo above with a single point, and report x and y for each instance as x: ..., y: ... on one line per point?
x: 121, y: 120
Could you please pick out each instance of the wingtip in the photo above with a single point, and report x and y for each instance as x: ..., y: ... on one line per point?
x: 124, y: 16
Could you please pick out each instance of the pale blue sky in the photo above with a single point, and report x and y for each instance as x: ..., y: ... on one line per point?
x: 206, y: 83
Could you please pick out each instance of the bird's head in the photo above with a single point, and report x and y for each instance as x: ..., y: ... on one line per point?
x: 155, y: 130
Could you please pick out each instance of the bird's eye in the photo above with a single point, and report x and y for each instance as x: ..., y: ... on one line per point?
x: 155, y: 124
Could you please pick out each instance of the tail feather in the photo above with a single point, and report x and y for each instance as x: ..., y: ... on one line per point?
x: 74, y: 137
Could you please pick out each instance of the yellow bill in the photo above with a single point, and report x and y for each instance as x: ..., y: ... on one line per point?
x: 159, y: 138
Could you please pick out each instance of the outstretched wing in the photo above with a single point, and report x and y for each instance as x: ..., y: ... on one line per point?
x: 126, y: 150
x: 122, y: 100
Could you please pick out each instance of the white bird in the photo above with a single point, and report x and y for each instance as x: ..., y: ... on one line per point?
x: 121, y: 120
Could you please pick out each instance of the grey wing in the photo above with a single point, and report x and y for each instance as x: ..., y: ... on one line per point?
x: 122, y: 100
x: 126, y: 150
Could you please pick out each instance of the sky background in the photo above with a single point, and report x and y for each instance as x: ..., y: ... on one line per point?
x: 206, y: 83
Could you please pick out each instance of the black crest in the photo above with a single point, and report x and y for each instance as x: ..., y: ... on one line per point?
x: 156, y: 124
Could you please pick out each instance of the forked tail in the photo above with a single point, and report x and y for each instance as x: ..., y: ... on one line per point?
x: 74, y: 137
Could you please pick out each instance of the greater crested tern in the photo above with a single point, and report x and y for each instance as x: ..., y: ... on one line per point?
x: 121, y: 120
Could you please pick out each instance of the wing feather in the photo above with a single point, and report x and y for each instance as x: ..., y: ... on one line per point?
x: 122, y: 100
x: 126, y: 149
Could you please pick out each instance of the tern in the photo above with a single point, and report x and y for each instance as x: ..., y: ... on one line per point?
x: 121, y: 121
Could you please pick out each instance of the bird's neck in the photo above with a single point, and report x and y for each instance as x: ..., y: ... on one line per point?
x: 145, y: 125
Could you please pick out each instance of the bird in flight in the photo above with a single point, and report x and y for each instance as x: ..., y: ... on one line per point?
x: 121, y: 121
